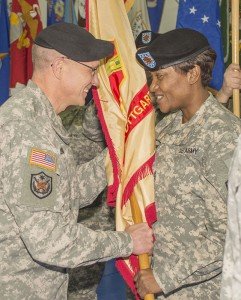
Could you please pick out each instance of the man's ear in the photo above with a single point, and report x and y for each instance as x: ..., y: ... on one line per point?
x: 194, y: 74
x: 57, y: 66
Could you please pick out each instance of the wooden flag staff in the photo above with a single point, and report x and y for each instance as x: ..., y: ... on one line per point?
x: 235, y: 51
x: 144, y: 261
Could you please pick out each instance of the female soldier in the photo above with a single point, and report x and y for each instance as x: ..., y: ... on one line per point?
x: 195, y: 143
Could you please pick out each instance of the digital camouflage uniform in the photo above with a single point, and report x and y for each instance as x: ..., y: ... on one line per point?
x: 79, y: 122
x: 41, y: 191
x: 97, y: 216
x: 231, y: 277
x: 191, y: 171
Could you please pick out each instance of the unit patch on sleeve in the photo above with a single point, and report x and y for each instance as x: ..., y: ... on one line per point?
x: 41, y: 185
x: 42, y: 159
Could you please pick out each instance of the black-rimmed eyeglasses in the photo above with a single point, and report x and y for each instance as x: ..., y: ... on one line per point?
x: 93, y: 70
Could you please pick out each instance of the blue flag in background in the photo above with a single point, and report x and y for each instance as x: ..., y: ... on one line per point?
x: 4, y: 52
x: 61, y: 11
x: 155, y: 12
x: 55, y: 12
x: 204, y: 16
x: 69, y: 12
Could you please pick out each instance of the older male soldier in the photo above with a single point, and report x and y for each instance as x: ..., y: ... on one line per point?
x: 195, y: 144
x: 41, y: 186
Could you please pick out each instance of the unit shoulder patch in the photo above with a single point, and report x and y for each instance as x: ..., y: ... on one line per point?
x: 41, y: 185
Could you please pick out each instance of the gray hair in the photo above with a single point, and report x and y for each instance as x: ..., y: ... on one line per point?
x: 42, y: 58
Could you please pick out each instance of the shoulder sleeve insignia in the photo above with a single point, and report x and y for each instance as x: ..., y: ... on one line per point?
x: 43, y: 159
x: 41, y: 185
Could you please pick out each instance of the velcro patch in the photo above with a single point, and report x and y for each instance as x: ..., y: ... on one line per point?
x: 41, y: 185
x: 42, y: 159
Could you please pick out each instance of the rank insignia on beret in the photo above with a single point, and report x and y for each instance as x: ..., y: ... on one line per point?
x: 146, y: 37
x: 42, y: 159
x: 147, y: 59
x: 41, y: 185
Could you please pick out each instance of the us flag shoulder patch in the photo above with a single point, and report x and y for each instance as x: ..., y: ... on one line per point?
x: 42, y: 159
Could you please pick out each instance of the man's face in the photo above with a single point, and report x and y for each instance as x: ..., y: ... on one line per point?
x: 77, y: 80
x: 171, y: 89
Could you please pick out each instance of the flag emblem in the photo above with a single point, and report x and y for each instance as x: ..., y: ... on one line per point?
x: 41, y: 185
x: 42, y: 159
x: 148, y: 59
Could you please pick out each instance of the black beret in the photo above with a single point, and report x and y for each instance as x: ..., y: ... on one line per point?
x: 74, y: 42
x: 171, y: 48
x: 145, y: 38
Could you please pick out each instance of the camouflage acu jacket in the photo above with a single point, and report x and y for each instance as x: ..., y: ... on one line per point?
x: 192, y: 163
x: 231, y: 277
x: 41, y: 190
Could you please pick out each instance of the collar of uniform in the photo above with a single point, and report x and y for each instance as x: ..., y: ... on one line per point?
x: 174, y: 125
x: 46, y: 109
x: 200, y: 114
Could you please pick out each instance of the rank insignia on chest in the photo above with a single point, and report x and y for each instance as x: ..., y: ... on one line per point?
x: 41, y: 185
x: 42, y: 159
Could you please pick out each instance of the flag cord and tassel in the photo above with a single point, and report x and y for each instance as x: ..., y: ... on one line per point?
x: 235, y: 51
x: 144, y: 261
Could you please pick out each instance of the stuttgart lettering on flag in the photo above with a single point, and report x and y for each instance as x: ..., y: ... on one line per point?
x: 127, y: 118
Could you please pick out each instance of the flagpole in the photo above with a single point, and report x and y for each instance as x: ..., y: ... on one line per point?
x: 235, y: 51
x: 144, y: 261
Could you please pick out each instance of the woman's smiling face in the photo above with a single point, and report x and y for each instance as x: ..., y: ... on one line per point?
x: 171, y: 89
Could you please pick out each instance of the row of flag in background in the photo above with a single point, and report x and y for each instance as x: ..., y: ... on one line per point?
x: 21, y: 20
